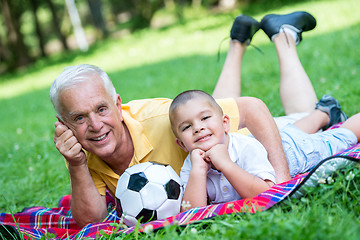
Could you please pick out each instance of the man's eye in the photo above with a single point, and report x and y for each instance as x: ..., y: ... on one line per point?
x: 102, y: 110
x: 79, y: 119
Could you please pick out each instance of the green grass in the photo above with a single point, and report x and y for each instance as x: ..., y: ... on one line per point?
x: 164, y: 62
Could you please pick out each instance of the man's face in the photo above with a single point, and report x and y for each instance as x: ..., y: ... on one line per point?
x: 199, y: 125
x: 96, y: 121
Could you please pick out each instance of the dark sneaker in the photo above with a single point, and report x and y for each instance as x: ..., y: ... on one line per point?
x: 331, y: 106
x: 297, y: 21
x: 244, y: 28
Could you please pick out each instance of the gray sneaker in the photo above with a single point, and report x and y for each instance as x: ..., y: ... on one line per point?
x: 331, y: 106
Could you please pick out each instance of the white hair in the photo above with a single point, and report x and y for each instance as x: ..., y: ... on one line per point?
x: 76, y: 74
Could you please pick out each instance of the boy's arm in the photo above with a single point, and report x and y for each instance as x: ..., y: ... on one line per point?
x: 195, y: 191
x: 246, y: 184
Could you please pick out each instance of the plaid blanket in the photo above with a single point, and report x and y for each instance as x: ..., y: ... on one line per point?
x: 57, y: 223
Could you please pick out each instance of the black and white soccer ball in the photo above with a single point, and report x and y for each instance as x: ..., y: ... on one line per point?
x: 148, y: 191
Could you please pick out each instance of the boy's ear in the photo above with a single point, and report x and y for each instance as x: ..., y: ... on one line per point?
x: 226, y: 123
x: 181, y: 145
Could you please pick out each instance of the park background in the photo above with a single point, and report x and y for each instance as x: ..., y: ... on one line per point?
x: 182, y: 46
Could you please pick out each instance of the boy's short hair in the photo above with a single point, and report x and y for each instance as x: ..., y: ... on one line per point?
x: 184, y: 97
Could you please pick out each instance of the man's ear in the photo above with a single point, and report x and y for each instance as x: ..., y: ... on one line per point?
x: 181, y: 145
x: 118, y: 105
x: 226, y: 123
x: 60, y: 119
x: 118, y: 101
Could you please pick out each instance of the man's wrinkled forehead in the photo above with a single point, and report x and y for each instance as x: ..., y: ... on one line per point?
x: 78, y: 83
x: 74, y: 95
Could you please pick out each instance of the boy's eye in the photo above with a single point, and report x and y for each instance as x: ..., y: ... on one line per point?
x: 185, y: 128
x: 206, y: 117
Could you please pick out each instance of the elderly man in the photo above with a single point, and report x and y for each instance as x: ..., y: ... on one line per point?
x: 100, y: 137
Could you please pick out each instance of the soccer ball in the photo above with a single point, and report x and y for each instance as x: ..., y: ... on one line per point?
x: 148, y: 191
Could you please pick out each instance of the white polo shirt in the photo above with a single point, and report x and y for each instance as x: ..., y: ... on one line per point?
x: 247, y: 153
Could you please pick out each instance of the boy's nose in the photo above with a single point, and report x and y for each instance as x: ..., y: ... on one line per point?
x: 199, y: 128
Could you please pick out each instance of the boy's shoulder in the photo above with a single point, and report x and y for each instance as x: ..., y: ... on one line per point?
x: 242, y: 137
x: 241, y: 141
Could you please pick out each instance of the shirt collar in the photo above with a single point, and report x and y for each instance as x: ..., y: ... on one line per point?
x: 142, y: 146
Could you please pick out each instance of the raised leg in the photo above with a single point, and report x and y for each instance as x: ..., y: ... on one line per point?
x: 296, y: 90
x: 229, y: 83
x: 241, y: 33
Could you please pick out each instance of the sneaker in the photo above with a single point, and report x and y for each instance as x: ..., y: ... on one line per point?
x: 297, y: 21
x: 331, y: 106
x: 244, y: 28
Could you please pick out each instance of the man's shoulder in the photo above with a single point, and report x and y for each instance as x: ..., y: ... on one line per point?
x: 147, y: 108
x: 147, y: 101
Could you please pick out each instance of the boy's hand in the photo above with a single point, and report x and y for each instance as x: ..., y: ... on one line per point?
x: 68, y: 145
x: 198, y: 160
x: 219, y: 156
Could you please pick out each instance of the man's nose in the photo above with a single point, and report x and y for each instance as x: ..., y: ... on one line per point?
x: 95, y: 123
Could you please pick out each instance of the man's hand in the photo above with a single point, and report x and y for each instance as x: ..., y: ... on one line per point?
x: 68, y: 145
x: 87, y: 205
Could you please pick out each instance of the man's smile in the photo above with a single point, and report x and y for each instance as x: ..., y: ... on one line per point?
x: 100, y: 138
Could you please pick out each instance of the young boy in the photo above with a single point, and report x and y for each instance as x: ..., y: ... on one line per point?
x: 225, y: 166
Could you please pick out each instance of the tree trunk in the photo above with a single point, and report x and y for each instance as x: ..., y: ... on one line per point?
x: 5, y: 56
x: 180, y: 5
x: 144, y: 12
x: 20, y: 56
x: 97, y: 16
x: 169, y: 4
x: 228, y: 4
x: 76, y: 22
x: 34, y: 7
x: 56, y: 25
x: 196, y: 3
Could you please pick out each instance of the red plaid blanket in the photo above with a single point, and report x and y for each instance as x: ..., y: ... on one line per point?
x: 57, y: 223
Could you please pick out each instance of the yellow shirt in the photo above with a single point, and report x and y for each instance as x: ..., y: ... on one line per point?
x: 153, y: 139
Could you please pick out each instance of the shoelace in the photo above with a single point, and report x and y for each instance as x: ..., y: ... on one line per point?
x: 218, y: 52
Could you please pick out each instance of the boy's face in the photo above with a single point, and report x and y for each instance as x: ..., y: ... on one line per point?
x: 199, y: 125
